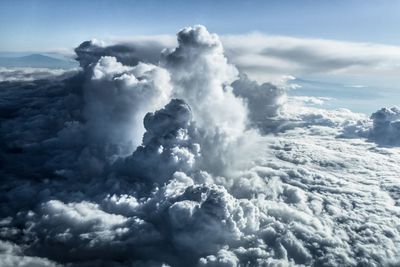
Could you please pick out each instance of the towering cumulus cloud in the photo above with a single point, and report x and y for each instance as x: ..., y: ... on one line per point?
x: 263, y: 101
x: 168, y: 160
x: 202, y: 76
x: 117, y: 97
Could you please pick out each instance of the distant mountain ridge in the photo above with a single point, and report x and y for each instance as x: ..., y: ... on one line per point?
x: 36, y: 61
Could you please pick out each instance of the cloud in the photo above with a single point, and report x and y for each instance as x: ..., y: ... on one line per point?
x: 117, y: 97
x: 263, y: 101
x: 269, y: 58
x: 128, y: 52
x: 168, y: 144
x: 12, y: 255
x: 311, y: 99
x: 258, y: 54
x: 188, y: 162
x: 202, y: 75
x: 386, y: 126
x: 31, y: 74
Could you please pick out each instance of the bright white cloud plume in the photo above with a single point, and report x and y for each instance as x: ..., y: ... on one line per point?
x: 118, y: 97
x: 202, y: 76
x: 146, y: 164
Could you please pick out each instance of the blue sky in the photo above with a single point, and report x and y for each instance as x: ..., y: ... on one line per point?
x: 45, y: 24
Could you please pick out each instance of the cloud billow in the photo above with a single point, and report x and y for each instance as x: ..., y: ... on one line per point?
x: 386, y: 126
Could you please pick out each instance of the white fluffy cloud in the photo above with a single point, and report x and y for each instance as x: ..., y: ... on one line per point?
x: 175, y: 164
x: 263, y: 100
x: 202, y: 76
x: 118, y: 97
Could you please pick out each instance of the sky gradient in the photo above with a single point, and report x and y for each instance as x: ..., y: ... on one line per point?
x: 47, y: 25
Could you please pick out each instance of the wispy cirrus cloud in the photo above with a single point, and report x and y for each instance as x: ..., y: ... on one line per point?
x: 260, y: 55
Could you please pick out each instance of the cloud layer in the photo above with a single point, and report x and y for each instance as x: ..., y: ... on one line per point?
x: 185, y: 161
x: 31, y: 74
x: 270, y: 58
